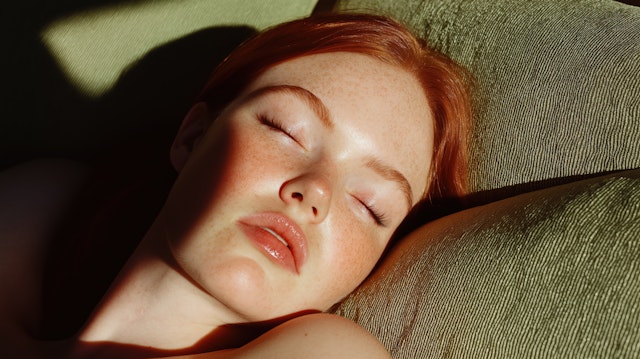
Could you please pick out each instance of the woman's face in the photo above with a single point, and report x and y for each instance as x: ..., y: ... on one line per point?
x: 289, y: 198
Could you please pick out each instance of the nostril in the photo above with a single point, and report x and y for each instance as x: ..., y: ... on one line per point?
x: 315, y: 211
x: 297, y: 195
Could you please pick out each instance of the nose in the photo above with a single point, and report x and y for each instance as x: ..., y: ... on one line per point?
x: 310, y: 193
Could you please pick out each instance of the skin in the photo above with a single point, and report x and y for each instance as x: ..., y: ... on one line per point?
x: 196, y: 270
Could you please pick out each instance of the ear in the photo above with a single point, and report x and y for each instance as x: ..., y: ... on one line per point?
x: 191, y: 131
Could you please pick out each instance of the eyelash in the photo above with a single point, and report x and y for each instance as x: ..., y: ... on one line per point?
x: 274, y: 125
x: 378, y: 217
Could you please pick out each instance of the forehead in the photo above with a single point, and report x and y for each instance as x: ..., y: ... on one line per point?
x: 380, y: 108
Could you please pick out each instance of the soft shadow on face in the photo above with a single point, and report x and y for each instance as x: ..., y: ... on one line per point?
x: 201, y: 170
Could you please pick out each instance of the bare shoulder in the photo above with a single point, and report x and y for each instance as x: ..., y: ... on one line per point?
x: 316, y: 336
x: 33, y: 196
x: 310, y: 336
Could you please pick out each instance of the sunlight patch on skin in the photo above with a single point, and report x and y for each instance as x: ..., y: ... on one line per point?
x: 94, y: 47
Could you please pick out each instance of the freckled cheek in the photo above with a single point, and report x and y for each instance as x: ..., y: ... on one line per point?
x: 354, y: 255
x: 253, y: 161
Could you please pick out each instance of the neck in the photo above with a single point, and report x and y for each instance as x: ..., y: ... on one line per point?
x: 154, y: 305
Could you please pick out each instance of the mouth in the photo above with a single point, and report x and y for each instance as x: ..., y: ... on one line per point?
x: 278, y: 237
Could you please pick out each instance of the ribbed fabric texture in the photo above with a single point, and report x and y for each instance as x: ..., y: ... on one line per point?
x: 127, y: 32
x: 558, y: 82
x: 548, y: 274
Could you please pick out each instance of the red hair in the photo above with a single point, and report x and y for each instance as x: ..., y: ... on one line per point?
x: 382, y: 38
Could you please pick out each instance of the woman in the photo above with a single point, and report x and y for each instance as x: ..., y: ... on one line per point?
x: 304, y: 153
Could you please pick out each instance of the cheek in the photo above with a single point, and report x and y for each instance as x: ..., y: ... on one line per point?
x: 225, y: 169
x: 352, y: 258
x: 255, y: 163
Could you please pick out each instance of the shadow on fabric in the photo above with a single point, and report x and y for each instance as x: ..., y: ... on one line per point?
x: 43, y: 115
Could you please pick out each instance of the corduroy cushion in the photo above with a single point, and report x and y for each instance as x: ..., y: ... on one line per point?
x: 557, y: 82
x: 128, y: 31
x: 551, y: 273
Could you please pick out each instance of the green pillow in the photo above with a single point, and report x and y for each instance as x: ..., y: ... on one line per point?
x: 94, y: 47
x: 549, y: 274
x: 557, y: 82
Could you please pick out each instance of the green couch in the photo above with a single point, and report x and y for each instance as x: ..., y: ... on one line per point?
x: 543, y: 258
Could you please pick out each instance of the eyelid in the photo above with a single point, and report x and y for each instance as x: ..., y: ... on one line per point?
x: 278, y: 126
x: 378, y: 217
x: 271, y: 122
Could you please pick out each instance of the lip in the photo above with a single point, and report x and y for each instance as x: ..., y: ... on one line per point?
x: 260, y: 228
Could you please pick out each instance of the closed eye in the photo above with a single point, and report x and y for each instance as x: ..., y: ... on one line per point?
x: 270, y: 122
x: 378, y: 217
x: 276, y: 125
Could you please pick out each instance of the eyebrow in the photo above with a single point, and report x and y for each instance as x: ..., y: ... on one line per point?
x: 314, y: 103
x: 391, y: 174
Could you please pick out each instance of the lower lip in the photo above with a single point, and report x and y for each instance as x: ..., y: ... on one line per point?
x: 270, y: 246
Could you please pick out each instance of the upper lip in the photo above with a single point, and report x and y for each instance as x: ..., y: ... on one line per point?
x: 284, y: 227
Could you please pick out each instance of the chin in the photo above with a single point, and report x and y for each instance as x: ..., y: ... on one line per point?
x: 245, y: 287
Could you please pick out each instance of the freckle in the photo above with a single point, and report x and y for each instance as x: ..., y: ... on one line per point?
x: 306, y: 334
